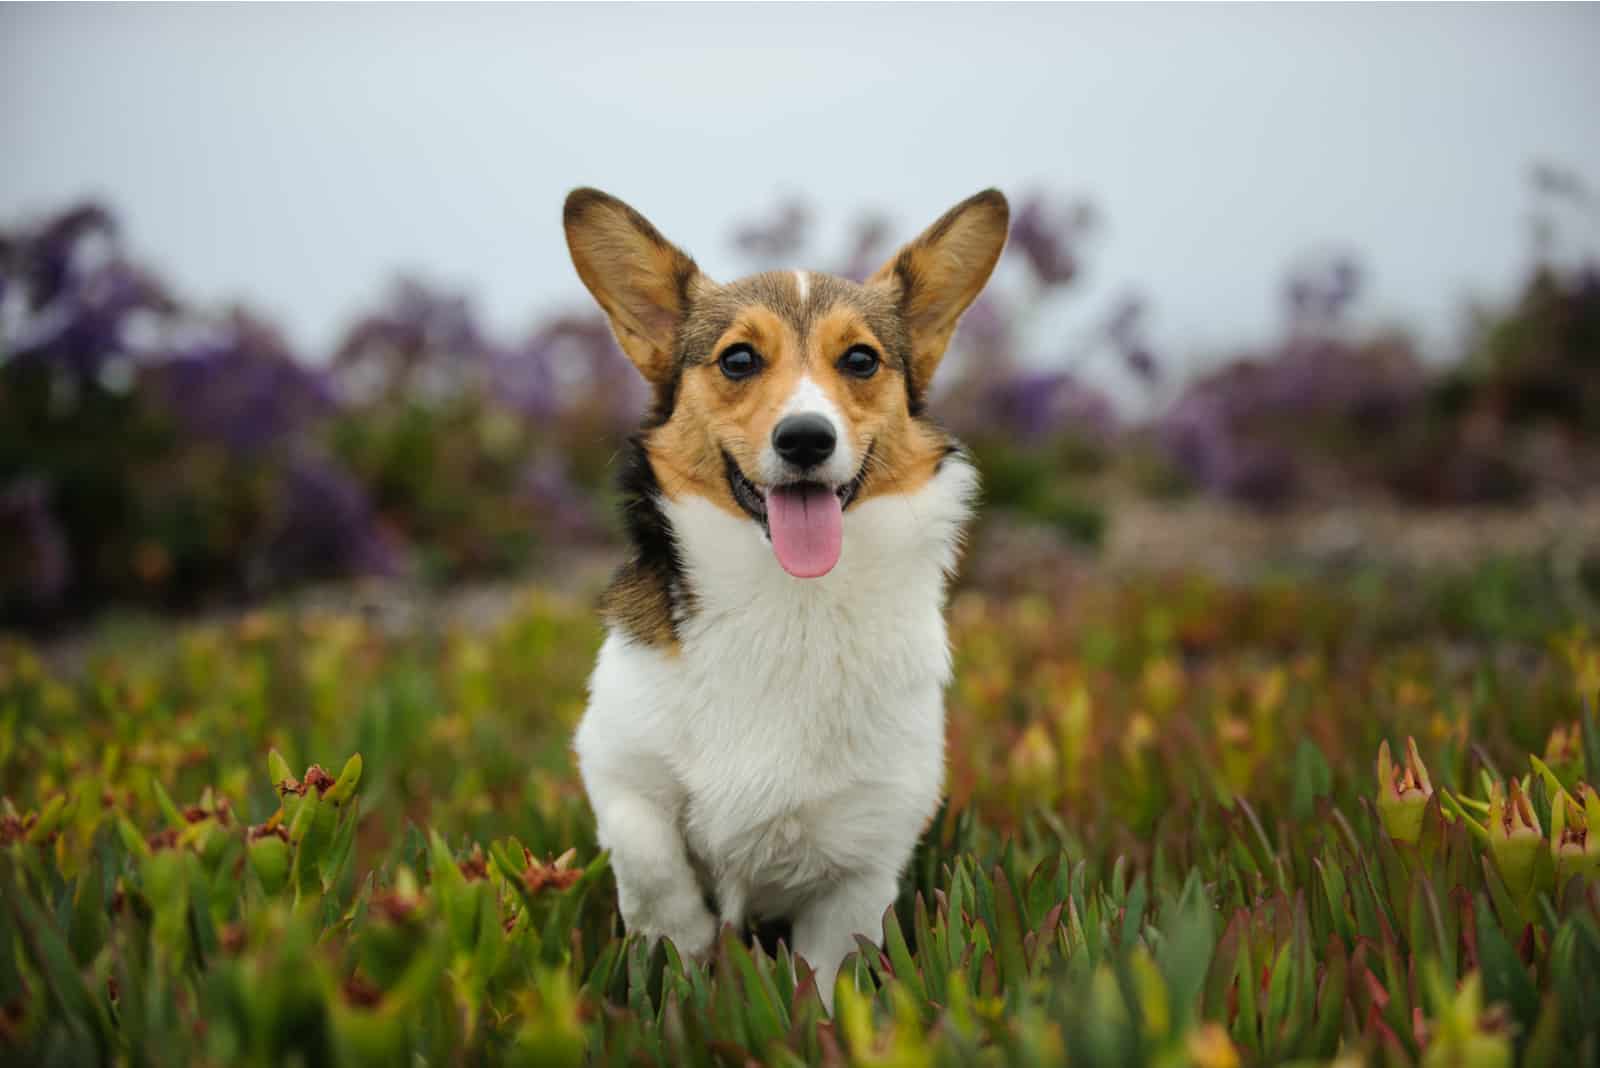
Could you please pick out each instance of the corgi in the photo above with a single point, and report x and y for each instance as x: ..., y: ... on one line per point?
x: 764, y: 737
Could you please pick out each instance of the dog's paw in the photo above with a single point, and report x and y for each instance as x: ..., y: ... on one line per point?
x: 686, y: 921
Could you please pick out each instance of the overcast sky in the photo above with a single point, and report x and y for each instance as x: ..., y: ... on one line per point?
x: 296, y: 157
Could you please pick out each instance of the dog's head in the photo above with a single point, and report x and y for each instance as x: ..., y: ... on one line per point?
x: 790, y: 396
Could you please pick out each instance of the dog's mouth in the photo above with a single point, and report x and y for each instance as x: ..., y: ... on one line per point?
x: 804, y: 520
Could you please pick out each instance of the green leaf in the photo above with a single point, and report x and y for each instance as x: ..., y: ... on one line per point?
x: 1012, y: 961
x: 1544, y: 1048
x: 934, y: 950
x: 169, y: 811
x: 905, y: 969
x: 1133, y: 914
x: 765, y: 1019
x: 1324, y: 1038
x: 269, y: 859
x: 278, y: 768
x: 344, y: 787
x: 1247, y: 1023
x: 52, y: 958
x: 1504, y: 978
x: 1312, y: 779
x: 335, y: 861
x: 89, y: 926
x: 1590, y: 722
x: 1185, y: 953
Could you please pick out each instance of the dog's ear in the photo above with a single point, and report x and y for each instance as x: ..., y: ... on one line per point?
x: 939, y: 274
x: 641, y: 280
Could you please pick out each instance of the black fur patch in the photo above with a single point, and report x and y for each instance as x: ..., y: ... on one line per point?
x: 665, y: 400
x: 952, y: 447
x: 649, y: 593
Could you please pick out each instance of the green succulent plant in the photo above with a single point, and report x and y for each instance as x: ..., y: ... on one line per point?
x: 1165, y: 845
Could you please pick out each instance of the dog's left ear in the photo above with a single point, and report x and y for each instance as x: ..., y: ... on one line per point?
x: 642, y: 281
x: 940, y: 273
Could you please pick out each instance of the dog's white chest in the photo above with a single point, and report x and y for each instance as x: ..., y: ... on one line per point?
x: 797, y: 767
x: 798, y: 728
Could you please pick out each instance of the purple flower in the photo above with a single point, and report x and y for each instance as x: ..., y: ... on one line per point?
x: 325, y: 525
x: 53, y: 257
x: 1240, y: 430
x: 563, y: 509
x: 588, y: 374
x: 1125, y: 331
x: 1045, y: 236
x: 523, y: 379
x: 1037, y: 404
x: 85, y: 324
x: 1199, y: 437
x: 78, y: 294
x: 1321, y: 294
x: 422, y: 344
x: 986, y: 331
x: 242, y: 388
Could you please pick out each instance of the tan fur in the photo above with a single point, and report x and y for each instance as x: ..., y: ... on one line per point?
x: 641, y: 280
x: 714, y: 414
x: 942, y: 272
x: 674, y: 323
x: 638, y: 603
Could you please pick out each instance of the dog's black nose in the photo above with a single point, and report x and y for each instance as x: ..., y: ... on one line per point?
x: 804, y: 440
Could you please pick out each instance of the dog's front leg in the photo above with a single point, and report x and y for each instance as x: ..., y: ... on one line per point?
x: 825, y: 929
x: 656, y: 887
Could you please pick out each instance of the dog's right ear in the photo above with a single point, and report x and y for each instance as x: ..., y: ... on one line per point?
x: 641, y: 280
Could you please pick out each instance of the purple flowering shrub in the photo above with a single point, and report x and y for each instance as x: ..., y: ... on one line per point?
x: 149, y: 453
x: 1317, y: 411
x: 153, y: 453
x: 1325, y: 413
x: 472, y: 451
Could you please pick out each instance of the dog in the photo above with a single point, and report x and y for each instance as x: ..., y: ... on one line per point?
x: 764, y: 738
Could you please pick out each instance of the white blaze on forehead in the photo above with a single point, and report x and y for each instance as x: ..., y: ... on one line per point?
x: 802, y: 283
x: 810, y: 397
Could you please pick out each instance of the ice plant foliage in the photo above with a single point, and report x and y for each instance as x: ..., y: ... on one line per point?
x: 1404, y: 792
x: 1574, y: 849
x: 1165, y: 844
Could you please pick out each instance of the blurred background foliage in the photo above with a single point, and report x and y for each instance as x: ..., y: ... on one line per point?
x: 157, y: 453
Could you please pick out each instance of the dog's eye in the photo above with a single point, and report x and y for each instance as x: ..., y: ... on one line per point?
x: 739, y: 361
x: 860, y: 362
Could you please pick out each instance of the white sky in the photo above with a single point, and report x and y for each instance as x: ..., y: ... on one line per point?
x: 296, y: 157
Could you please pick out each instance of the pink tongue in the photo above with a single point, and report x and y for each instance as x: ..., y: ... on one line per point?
x: 807, y: 527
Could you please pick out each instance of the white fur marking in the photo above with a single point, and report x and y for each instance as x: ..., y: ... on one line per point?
x: 803, y: 284
x: 791, y: 751
x: 841, y: 466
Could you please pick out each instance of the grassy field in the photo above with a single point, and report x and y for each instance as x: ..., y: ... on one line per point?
x: 1175, y: 836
